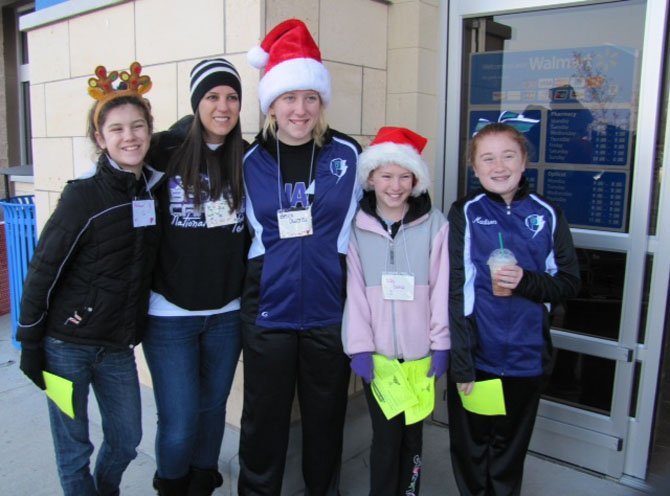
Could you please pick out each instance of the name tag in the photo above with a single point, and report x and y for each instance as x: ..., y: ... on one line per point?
x: 144, y: 213
x: 295, y: 223
x: 218, y: 213
x: 396, y: 286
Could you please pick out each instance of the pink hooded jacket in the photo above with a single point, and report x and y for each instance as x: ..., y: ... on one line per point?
x: 397, y: 329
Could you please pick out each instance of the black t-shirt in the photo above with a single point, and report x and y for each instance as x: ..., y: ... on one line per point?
x: 295, y: 163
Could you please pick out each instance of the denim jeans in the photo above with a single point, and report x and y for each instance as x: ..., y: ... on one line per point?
x: 192, y: 360
x: 113, y: 376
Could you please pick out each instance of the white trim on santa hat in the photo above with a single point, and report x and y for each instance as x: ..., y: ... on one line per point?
x: 291, y: 75
x: 393, y: 153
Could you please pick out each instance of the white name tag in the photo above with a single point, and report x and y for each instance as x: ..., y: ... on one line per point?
x: 397, y: 286
x: 218, y: 213
x: 295, y: 223
x: 144, y: 213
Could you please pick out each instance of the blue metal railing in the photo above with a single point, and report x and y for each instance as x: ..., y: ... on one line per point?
x: 21, y: 238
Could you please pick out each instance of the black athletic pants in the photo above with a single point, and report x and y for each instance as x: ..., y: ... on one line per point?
x: 395, y: 455
x: 488, y: 452
x: 275, y: 362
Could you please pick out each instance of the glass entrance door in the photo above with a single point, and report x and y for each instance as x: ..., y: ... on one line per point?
x: 583, y: 83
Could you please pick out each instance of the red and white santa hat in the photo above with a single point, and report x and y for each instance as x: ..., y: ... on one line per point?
x: 292, y: 61
x: 399, y: 146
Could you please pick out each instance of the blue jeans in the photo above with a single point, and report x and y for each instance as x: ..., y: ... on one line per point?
x: 113, y: 376
x: 192, y: 362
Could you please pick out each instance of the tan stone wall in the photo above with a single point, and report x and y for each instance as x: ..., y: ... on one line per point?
x: 414, y: 51
x: 23, y: 187
x: 383, y: 60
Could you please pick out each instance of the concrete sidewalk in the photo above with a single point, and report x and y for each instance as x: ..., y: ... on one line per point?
x: 27, y: 466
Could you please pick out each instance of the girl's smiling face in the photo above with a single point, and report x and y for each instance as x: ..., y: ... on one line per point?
x: 219, y: 111
x: 498, y: 162
x: 392, y: 185
x: 125, y: 136
x: 297, y: 113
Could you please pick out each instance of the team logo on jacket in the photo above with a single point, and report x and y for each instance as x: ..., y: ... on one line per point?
x: 338, y: 168
x: 535, y: 223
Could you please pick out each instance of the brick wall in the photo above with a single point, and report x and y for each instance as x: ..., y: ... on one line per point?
x: 3, y: 102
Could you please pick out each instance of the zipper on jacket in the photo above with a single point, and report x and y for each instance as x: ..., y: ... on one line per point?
x: 391, y: 252
x: 394, y: 331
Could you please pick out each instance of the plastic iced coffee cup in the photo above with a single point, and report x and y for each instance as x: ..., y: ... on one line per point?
x: 498, y: 259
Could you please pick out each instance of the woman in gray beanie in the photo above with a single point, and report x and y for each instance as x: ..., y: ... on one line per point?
x: 192, y: 343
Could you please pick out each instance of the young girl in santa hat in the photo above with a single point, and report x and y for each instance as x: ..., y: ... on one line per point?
x: 397, y: 293
x: 300, y: 179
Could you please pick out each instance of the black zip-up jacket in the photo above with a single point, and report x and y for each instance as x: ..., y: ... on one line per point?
x: 508, y: 336
x: 88, y: 281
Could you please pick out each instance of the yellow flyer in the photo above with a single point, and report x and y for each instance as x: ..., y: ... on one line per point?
x: 390, y: 387
x: 423, y: 388
x: 486, y: 398
x: 60, y: 392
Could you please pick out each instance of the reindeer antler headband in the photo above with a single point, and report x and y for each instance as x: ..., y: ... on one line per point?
x: 103, y: 89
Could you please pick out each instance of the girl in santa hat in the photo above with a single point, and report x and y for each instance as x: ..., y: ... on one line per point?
x: 397, y: 293
x: 302, y: 193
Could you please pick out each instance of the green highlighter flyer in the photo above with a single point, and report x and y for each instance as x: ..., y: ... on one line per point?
x: 486, y: 398
x: 403, y: 387
x: 423, y: 388
x: 59, y: 390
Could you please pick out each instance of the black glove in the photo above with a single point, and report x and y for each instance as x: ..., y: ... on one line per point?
x: 32, y: 363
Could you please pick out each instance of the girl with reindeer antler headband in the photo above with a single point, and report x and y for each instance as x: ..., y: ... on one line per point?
x: 87, y: 290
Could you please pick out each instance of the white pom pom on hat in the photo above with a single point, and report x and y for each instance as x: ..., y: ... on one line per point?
x: 258, y: 57
x: 291, y: 61
x: 399, y: 146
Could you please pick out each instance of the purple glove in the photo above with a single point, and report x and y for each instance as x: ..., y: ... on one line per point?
x: 439, y: 363
x: 361, y: 364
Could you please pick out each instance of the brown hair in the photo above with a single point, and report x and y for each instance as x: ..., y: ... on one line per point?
x: 224, y: 167
x: 497, y: 128
x: 138, y: 101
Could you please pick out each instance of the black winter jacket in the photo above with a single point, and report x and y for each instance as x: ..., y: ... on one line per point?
x: 88, y: 281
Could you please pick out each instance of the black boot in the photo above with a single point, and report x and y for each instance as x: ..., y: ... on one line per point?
x: 171, y: 487
x: 203, y: 482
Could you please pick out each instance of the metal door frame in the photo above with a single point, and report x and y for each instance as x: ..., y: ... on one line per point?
x: 621, y: 443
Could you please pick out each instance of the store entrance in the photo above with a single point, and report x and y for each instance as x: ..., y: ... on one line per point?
x: 575, y: 81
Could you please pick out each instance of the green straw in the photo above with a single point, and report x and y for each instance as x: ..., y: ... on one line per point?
x: 501, y: 242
